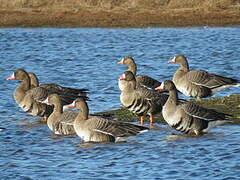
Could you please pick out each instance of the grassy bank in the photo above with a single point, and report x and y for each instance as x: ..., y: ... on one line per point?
x: 118, y: 13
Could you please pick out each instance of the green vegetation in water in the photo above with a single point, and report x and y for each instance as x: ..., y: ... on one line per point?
x: 228, y: 104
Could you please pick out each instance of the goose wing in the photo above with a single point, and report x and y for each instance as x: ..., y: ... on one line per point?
x: 199, y: 112
x: 208, y: 80
x: 64, y: 90
x: 114, y: 128
x: 148, y: 82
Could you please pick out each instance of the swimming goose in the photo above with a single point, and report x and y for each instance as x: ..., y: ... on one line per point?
x: 197, y: 83
x: 140, y: 101
x: 29, y: 97
x: 41, y: 92
x: 142, y: 80
x: 25, y: 99
x: 188, y: 117
x: 60, y: 122
x: 55, y: 88
x: 97, y: 129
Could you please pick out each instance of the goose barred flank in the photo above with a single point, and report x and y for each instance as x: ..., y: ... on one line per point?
x: 139, y: 100
x: 188, y: 117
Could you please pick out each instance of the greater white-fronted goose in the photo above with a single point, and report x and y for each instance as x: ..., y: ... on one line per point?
x: 142, y: 80
x: 140, y: 101
x: 197, y: 83
x: 60, y: 122
x: 55, y: 88
x: 29, y: 97
x: 41, y: 92
x: 98, y: 129
x: 188, y: 117
x: 24, y: 99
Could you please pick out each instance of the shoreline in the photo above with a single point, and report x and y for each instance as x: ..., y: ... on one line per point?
x: 118, y: 19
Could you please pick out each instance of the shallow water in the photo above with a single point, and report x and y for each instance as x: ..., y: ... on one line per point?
x: 82, y: 57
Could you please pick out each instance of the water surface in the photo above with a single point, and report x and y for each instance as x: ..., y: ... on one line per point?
x: 82, y: 57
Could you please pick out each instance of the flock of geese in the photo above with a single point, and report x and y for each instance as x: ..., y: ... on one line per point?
x: 140, y: 94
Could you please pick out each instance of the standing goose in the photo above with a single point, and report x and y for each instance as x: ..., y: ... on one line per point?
x: 197, y: 83
x: 25, y: 99
x: 97, y: 129
x: 60, y: 122
x: 142, y: 80
x: 140, y: 101
x: 188, y: 117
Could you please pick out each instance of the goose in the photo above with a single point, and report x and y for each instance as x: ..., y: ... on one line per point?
x: 60, y: 122
x: 29, y: 95
x: 198, y: 83
x: 186, y: 117
x: 142, y: 80
x: 25, y: 99
x: 98, y: 129
x: 41, y: 92
x: 52, y: 87
x: 138, y: 100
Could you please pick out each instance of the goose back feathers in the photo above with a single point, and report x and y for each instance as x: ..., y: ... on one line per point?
x: 188, y: 117
x: 142, y: 80
x: 98, y: 129
x: 141, y: 101
x: 24, y: 97
x: 198, y: 83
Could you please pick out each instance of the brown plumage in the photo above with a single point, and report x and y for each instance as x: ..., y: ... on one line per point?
x: 197, y: 83
x: 142, y: 80
x: 58, y: 89
x: 141, y: 101
x: 188, y: 117
x: 24, y: 97
x: 60, y: 122
x: 98, y: 129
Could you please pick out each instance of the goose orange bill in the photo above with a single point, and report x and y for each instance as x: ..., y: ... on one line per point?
x: 173, y: 60
x: 73, y: 105
x: 122, y: 77
x: 160, y: 88
x: 12, y: 77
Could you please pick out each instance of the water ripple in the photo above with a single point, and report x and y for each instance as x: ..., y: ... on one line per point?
x: 86, y: 58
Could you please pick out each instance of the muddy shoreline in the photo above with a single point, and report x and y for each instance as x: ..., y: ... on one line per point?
x: 32, y: 17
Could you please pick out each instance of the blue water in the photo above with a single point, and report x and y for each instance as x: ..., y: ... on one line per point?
x: 82, y: 57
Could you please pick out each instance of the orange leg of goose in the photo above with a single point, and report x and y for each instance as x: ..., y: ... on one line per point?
x: 151, y: 122
x: 142, y: 120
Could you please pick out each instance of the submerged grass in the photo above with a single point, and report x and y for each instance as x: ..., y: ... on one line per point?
x: 228, y: 104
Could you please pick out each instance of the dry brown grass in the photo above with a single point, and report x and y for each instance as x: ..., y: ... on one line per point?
x: 217, y: 4
x: 119, y: 13
x: 124, y: 4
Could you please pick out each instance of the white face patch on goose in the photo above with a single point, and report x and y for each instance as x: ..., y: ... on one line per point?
x: 45, y: 101
x: 74, y: 104
x: 13, y: 76
x: 162, y: 85
x: 174, y: 59
x: 123, y: 77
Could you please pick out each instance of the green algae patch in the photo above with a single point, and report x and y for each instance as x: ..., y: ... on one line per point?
x: 228, y: 104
